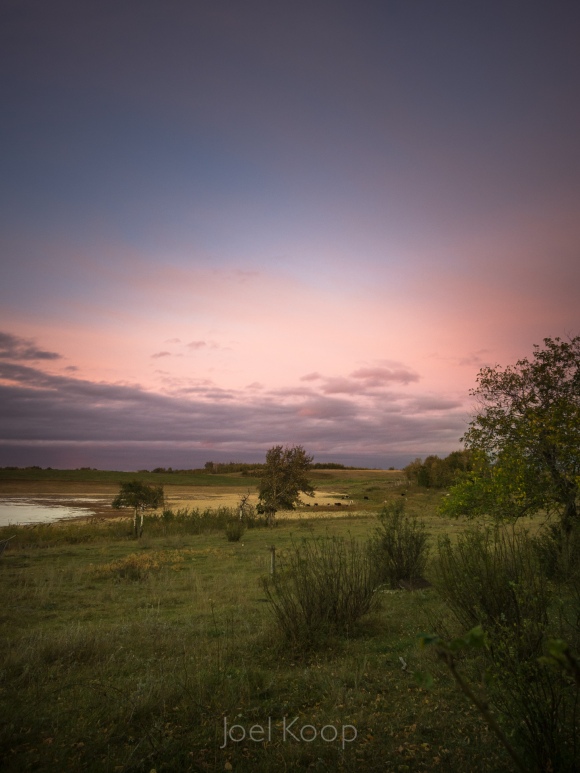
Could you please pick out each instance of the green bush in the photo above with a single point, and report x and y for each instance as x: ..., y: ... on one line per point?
x: 399, y: 548
x: 558, y: 553
x: 492, y: 577
x: 235, y: 529
x: 324, y: 586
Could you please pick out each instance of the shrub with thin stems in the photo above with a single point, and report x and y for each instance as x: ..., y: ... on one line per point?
x: 323, y: 586
x: 492, y: 577
x: 399, y: 548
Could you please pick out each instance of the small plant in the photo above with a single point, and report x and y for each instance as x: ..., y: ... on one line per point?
x: 399, y: 548
x: 235, y: 529
x: 325, y: 587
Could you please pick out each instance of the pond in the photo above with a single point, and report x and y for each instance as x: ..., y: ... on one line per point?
x: 20, y: 510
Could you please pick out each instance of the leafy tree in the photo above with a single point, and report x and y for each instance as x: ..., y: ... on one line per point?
x: 525, y: 439
x: 283, y: 479
x: 140, y: 497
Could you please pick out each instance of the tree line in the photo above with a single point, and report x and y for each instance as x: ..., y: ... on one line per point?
x: 435, y: 472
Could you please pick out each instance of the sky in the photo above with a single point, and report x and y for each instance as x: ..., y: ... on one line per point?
x: 231, y: 225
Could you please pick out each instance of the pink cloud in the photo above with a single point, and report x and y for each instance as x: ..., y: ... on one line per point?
x: 157, y: 355
x: 379, y: 376
x: 341, y: 385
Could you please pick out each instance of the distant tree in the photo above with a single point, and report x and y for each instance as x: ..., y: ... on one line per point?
x: 140, y: 497
x: 526, y: 438
x: 282, y: 480
x: 438, y: 473
x: 412, y: 470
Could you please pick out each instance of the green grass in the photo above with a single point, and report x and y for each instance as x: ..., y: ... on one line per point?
x: 101, y: 672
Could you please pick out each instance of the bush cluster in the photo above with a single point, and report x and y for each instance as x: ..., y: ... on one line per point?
x: 326, y: 585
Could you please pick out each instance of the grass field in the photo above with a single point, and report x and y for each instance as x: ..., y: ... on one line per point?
x: 120, y: 655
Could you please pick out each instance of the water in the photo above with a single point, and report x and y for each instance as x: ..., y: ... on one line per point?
x: 18, y: 510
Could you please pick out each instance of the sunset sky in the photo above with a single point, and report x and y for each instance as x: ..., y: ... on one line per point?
x: 226, y: 225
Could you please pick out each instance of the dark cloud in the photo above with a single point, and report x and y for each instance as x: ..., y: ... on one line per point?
x: 40, y: 410
x: 157, y: 355
x: 15, y: 348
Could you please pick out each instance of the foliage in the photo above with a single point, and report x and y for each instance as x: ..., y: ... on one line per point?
x: 494, y: 578
x: 325, y: 586
x: 525, y: 438
x: 538, y: 722
x: 140, y: 497
x: 438, y: 473
x: 283, y: 479
x: 491, y: 577
x: 447, y: 651
x: 559, y: 553
x: 399, y: 547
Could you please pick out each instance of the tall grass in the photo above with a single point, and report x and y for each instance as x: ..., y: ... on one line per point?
x: 183, y: 521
